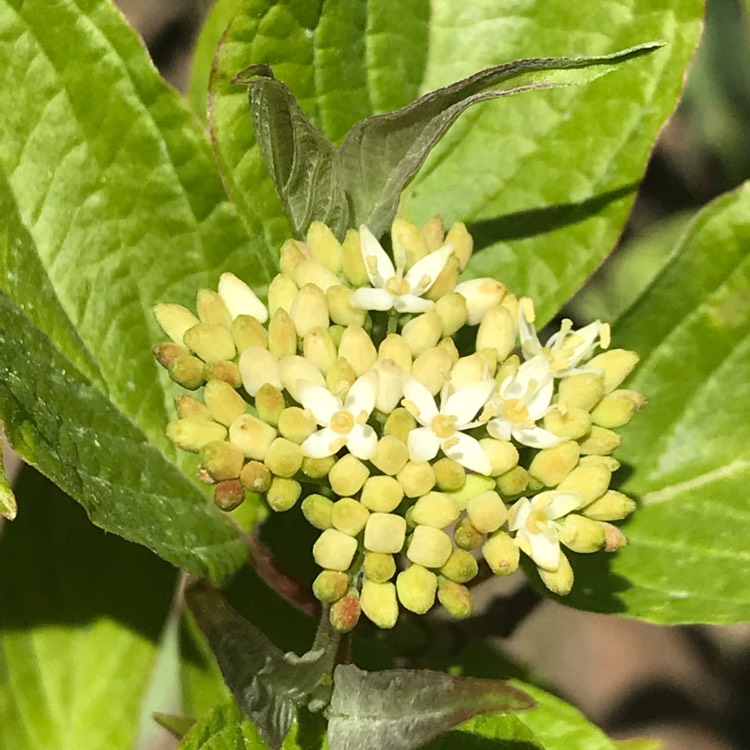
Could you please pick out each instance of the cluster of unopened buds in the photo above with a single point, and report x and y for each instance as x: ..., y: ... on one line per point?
x: 416, y: 419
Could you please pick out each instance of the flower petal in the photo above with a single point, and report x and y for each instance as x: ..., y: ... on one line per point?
x: 418, y: 394
x: 500, y: 428
x: 545, y: 550
x: 362, y: 441
x: 321, y: 444
x: 467, y: 401
x: 561, y: 503
x: 372, y: 299
x: 519, y: 513
x: 320, y: 401
x: 530, y: 344
x: 535, y: 437
x: 412, y: 304
x: 379, y: 266
x: 423, y: 444
x: 468, y: 452
x: 422, y: 275
x: 362, y: 394
x: 240, y: 299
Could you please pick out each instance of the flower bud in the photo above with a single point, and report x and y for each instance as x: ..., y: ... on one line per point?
x: 435, y: 509
x: 379, y: 566
x: 240, y: 299
x: 391, y: 455
x: 317, y: 510
x: 247, y: 331
x: 349, y: 515
x: 187, y: 371
x: 352, y: 263
x: 309, y: 310
x: 416, y: 587
x: 422, y: 332
x: 571, y: 423
x: 312, y: 272
x: 318, y: 348
x: 340, y: 308
x: 501, y: 554
x: 357, y: 348
x: 450, y: 476
x: 258, y: 366
x: 497, y: 330
x: 385, y: 532
x: 558, y: 581
x: 474, y: 485
x: 507, y: 368
x: 462, y: 242
x: 614, y: 539
x: 221, y: 460
x: 431, y: 368
x: 599, y: 442
x: 481, y: 295
x: 282, y: 292
x: 282, y: 335
x: 283, y: 494
x: 345, y: 613
x: 611, y: 506
x: 449, y: 345
x: 324, y: 247
x: 469, y: 369
x: 175, y: 320
x: 390, y: 385
x: 461, y: 566
x: 293, y: 369
x: 229, y: 494
x: 395, y: 348
x: 334, y: 550
x: 317, y: 468
x: 296, y: 424
x: 466, y: 536
x: 192, y: 433
x: 256, y: 477
x: 187, y: 406
x: 582, y: 534
x: 211, y: 308
x: 617, y: 408
x: 225, y: 370
x: 434, y: 232
x: 487, y: 512
x: 167, y: 353
x: 551, y: 465
x: 616, y: 365
x: 270, y: 404
x: 348, y: 475
x: 224, y: 403
x: 581, y: 391
x: 378, y: 602
x: 210, y: 342
x: 513, y: 482
x: 430, y: 547
x: 453, y: 312
x: 381, y: 494
x: 399, y: 424
x: 416, y: 479
x: 608, y: 462
x: 251, y: 436
x: 446, y: 280
x: 590, y: 482
x: 293, y: 254
x: 408, y: 241
x: 283, y: 457
x: 455, y: 598
x: 330, y: 586
x: 503, y: 455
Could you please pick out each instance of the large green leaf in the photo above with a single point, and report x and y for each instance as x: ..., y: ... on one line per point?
x: 78, y: 627
x: 689, y: 449
x: 111, y: 204
x: 546, y: 179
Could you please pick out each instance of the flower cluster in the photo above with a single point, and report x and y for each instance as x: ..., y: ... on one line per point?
x: 385, y: 397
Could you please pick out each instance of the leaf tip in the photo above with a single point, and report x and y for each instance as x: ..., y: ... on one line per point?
x: 252, y: 73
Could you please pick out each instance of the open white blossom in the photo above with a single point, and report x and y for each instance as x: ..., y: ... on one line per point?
x: 565, y: 349
x: 391, y: 288
x: 240, y: 299
x: 344, y: 422
x: 443, y: 428
x: 521, y: 400
x: 536, y: 526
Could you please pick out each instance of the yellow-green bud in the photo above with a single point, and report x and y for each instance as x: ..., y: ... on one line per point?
x: 487, y: 512
x: 187, y: 406
x: 611, y: 506
x: 357, y: 348
x: 489, y: 357
x: 582, y: 534
x: 416, y: 587
x: 334, y: 550
x: 344, y: 614
x: 450, y: 476
x: 408, y: 241
x: 192, y: 433
x: 293, y: 369
x: 616, y: 365
x: 283, y: 493
x: 503, y: 455
x: 534, y: 485
x: 379, y: 566
x: 296, y: 424
x: 571, y: 423
x: 336, y: 332
x: 394, y: 347
x: 513, y: 482
x: 309, y: 310
x: 251, y: 436
x: 614, y: 539
x: 435, y: 509
x: 167, y: 353
x: 317, y: 468
x: 551, y: 465
x: 211, y: 308
x: 312, y: 272
x: 474, y: 485
x: 349, y: 515
x: 430, y: 547
x: 378, y: 602
x: 224, y: 403
x: 175, y: 320
x: 501, y: 554
x: 282, y: 335
x: 558, y: 581
x: 381, y: 494
x: 324, y: 247
x: 283, y: 457
x: 210, y: 342
x: 221, y: 460
x: 617, y: 408
x: 270, y: 404
x: 453, y: 313
x: 462, y: 242
x: 229, y: 494
x: 497, y: 330
x: 339, y: 301
x: 455, y: 598
x: 258, y: 366
x: 449, y: 345
x: 247, y: 331
x: 599, y: 441
x: 434, y: 233
x: 348, y: 475
x: 609, y: 462
x: 466, y: 536
x: 590, y: 482
x: 461, y: 566
x: 446, y: 280
x: 340, y: 377
x: 187, y: 371
x: 507, y: 368
x: 431, y: 368
x: 225, y: 370
x: 422, y: 332
x: 319, y: 348
x: 256, y: 477
x: 391, y: 455
x: 481, y: 295
x: 351, y: 260
x: 293, y: 254
x: 281, y: 293
x: 385, y: 532
x: 399, y: 424
x: 416, y: 478
x: 330, y: 585
x: 581, y: 391
x: 317, y: 510
x: 390, y: 388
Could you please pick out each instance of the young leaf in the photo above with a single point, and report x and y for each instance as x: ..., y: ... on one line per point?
x: 8, y: 505
x: 225, y: 728
x: 402, y: 709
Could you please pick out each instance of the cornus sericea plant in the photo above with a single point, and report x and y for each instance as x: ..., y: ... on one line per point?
x: 386, y: 397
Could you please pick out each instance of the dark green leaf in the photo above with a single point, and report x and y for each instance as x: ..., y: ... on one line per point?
x: 8, y: 504
x: 177, y: 726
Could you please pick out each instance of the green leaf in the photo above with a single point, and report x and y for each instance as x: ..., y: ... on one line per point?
x: 403, y: 709
x: 505, y: 732
x: 8, y: 504
x: 225, y: 728
x: 638, y: 743
x: 689, y: 449
x: 111, y: 204
x: 80, y: 615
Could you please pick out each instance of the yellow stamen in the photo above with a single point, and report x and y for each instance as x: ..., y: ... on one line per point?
x: 444, y: 425
x: 342, y: 422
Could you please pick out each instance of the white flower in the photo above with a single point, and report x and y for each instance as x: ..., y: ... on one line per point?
x: 390, y: 287
x: 344, y: 423
x: 564, y: 349
x: 442, y: 428
x: 522, y: 399
x: 240, y: 299
x: 536, y: 527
